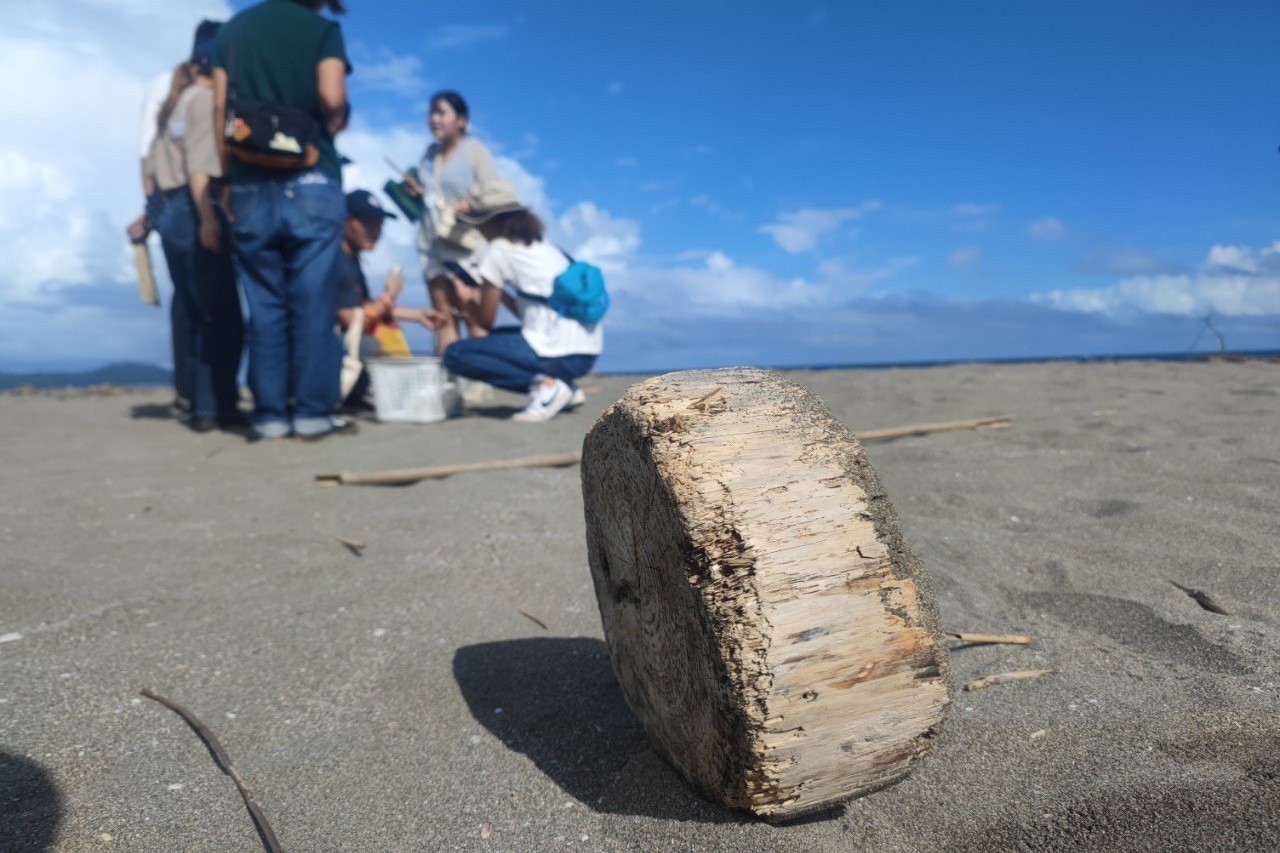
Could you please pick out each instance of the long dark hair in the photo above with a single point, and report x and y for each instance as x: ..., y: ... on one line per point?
x: 518, y: 226
x: 183, y: 76
x: 454, y: 100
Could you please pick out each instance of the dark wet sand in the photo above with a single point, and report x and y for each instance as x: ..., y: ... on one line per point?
x: 398, y: 700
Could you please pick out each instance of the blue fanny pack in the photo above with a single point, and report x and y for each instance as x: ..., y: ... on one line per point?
x: 578, y: 293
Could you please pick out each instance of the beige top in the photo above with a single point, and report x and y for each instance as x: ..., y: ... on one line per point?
x: 187, y: 146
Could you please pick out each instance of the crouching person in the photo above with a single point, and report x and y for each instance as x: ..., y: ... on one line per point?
x: 370, y: 327
x: 547, y: 352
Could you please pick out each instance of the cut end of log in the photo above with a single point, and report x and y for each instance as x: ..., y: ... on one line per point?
x: 768, y: 625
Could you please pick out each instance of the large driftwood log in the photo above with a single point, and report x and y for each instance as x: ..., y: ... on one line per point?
x: 768, y: 625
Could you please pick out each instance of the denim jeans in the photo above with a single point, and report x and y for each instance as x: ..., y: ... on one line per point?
x: 180, y: 336
x: 208, y: 330
x: 288, y: 238
x: 504, y: 359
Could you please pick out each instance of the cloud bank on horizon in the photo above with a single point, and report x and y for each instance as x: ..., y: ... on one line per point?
x: 714, y: 255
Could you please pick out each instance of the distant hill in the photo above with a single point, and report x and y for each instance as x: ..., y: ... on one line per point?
x: 132, y: 374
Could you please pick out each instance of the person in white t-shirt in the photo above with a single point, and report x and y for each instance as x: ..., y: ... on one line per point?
x: 548, y: 352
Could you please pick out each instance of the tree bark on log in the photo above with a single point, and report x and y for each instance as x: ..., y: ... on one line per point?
x: 768, y: 625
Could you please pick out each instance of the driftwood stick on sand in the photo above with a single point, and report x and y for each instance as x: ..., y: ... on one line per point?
x: 352, y: 545
x: 404, y: 476
x: 924, y: 429
x: 768, y: 626
x: 223, y: 761
x: 990, y: 639
x: 1006, y: 677
x: 534, y: 619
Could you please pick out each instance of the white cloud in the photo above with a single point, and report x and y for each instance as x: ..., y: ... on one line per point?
x: 76, y: 72
x: 799, y: 230
x: 594, y: 235
x: 838, y: 277
x: 1125, y: 262
x: 1234, y: 281
x: 1236, y: 258
x: 1047, y: 228
x: 970, y: 210
x: 966, y: 258
x: 458, y: 36
x: 972, y: 216
x: 394, y: 73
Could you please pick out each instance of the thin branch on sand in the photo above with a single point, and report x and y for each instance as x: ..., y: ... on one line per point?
x: 223, y: 761
x: 990, y: 639
x: 1006, y: 677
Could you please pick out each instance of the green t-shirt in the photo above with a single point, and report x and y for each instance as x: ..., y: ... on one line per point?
x: 270, y: 52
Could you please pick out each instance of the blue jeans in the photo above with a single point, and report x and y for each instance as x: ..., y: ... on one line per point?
x: 288, y: 236
x: 208, y: 330
x: 504, y: 359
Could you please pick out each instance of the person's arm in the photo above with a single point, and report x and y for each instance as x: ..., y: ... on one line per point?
x: 148, y: 180
x: 200, y: 147
x: 220, y: 115
x: 486, y: 312
x: 210, y: 231
x: 484, y: 171
x: 394, y: 284
x: 331, y: 81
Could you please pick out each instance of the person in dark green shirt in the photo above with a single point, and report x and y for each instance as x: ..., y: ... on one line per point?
x: 287, y: 223
x: 270, y: 52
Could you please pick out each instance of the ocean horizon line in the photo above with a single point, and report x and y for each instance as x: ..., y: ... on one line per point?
x: 143, y: 375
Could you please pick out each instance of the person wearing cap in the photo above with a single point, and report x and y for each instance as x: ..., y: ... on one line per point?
x: 546, y: 354
x: 356, y: 305
x: 184, y: 164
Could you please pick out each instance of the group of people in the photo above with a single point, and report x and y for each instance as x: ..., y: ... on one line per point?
x: 244, y: 185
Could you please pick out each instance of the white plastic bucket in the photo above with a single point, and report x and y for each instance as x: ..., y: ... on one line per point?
x: 412, y: 390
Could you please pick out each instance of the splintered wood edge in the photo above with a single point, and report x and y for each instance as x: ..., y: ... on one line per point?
x: 831, y: 445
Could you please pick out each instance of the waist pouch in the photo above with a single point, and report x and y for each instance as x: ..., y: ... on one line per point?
x: 274, y: 136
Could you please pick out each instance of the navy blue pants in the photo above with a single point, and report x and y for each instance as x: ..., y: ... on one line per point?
x: 504, y: 359
x: 288, y: 236
x: 208, y: 329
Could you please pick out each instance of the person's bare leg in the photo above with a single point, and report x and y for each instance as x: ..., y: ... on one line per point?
x: 442, y: 291
x: 480, y: 306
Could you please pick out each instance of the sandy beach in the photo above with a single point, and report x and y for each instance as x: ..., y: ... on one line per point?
x: 397, y: 700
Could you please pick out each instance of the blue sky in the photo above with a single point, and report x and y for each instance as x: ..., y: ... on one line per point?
x: 775, y: 183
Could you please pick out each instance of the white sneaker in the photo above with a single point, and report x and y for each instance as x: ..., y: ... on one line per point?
x: 576, y: 400
x: 545, y: 402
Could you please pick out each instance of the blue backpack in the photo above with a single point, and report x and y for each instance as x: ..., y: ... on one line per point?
x: 579, y: 293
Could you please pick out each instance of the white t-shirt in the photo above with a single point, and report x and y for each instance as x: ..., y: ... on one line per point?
x: 532, y: 270
x: 156, y: 93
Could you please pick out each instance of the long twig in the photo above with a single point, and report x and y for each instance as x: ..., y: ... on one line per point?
x: 1202, y: 598
x: 404, y: 476
x: 534, y: 619
x: 1006, y: 677
x: 990, y: 639
x: 223, y: 761
x: 925, y: 429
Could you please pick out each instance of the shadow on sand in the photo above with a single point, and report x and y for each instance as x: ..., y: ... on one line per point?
x: 153, y: 412
x: 30, y: 806
x: 562, y: 707
x: 498, y: 413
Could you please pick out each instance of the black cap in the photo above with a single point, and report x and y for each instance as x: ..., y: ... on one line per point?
x: 362, y: 204
x: 205, y: 43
